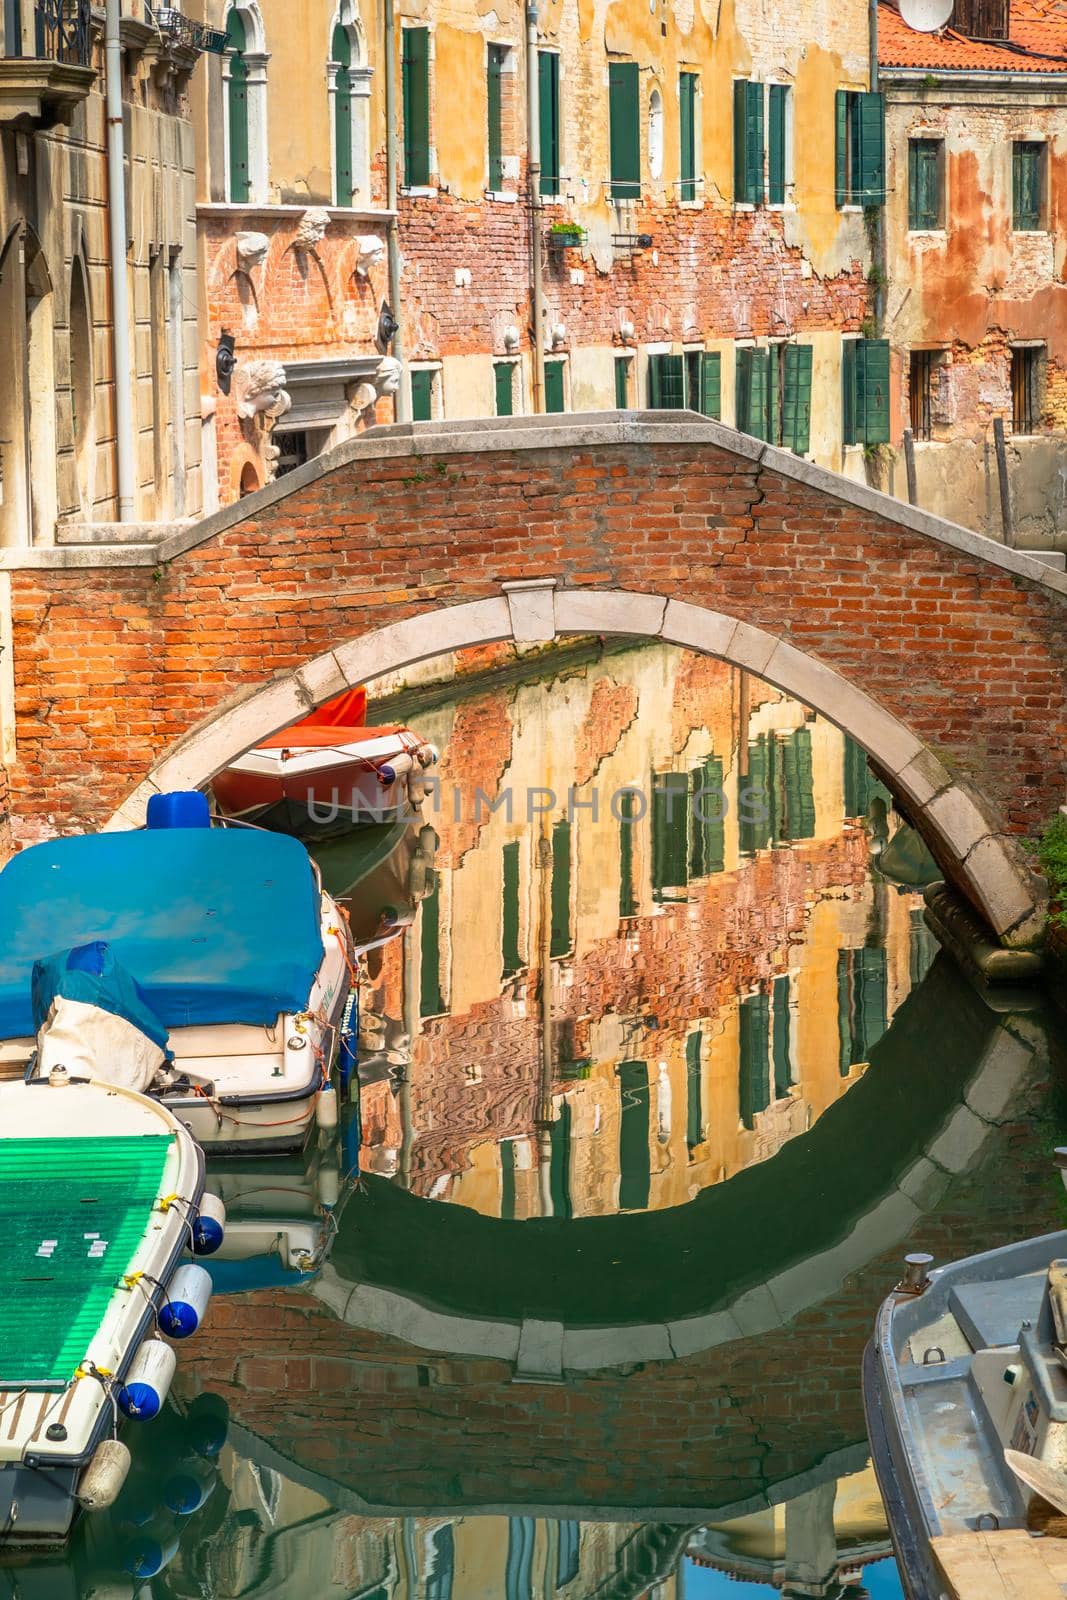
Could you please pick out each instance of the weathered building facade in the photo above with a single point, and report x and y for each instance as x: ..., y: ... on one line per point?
x: 976, y: 303
x: 699, y: 199
x: 59, y: 440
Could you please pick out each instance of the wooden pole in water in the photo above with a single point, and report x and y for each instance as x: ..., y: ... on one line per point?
x: 909, y: 466
x: 1006, y: 524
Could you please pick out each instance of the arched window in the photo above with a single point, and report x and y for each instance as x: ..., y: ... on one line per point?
x: 349, y: 88
x: 82, y: 392
x: 655, y: 134
x: 238, y: 184
x: 244, y: 72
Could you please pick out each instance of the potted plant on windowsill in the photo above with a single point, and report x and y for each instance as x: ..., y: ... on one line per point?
x: 565, y: 235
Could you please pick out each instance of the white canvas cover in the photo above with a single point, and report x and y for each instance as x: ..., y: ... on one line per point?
x: 93, y: 1043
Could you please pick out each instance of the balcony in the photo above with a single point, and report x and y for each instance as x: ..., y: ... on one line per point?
x: 45, y: 54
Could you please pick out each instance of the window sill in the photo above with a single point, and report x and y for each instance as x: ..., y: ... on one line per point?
x: 420, y: 191
x: 1032, y: 233
x: 501, y: 196
x: 785, y: 206
x: 745, y: 205
x: 691, y: 205
x: 852, y: 206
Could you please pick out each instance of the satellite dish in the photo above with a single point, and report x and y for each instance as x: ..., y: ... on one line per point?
x: 926, y: 16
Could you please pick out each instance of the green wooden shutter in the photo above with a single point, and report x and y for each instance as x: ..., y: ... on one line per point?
x: 635, y: 1162
x: 796, y: 398
x: 627, y: 823
x: 415, y: 76
x: 756, y: 811
x: 431, y: 1001
x: 871, y: 152
x: 422, y: 394
x: 507, y: 1181
x: 554, y: 386
x: 666, y: 383
x: 341, y: 53
x: 623, y: 86
x: 622, y: 383
x: 776, y: 103
x: 504, y: 385
x: 561, y: 889
x: 559, y: 1166
x: 670, y: 836
x: 754, y: 1065
x: 687, y: 96
x: 740, y: 180
x: 803, y: 823
x: 844, y: 1012
x: 694, y: 1098
x: 237, y: 111
x: 711, y: 383
x: 754, y: 143
x: 848, y: 390
x: 872, y: 390
x: 511, y: 958
x: 548, y: 119
x: 707, y: 847
x: 753, y: 368
x: 841, y: 195
x: 494, y: 73
x: 869, y: 992
x: 783, y: 1066
x: 924, y: 197
x: 1026, y: 187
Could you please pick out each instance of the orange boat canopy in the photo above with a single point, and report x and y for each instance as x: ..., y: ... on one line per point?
x: 348, y: 710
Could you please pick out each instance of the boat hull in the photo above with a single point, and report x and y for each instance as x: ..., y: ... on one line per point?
x: 910, y: 1540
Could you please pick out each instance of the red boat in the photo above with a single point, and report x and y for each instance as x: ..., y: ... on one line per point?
x: 328, y: 772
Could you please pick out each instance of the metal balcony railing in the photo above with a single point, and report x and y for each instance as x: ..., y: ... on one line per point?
x: 48, y: 30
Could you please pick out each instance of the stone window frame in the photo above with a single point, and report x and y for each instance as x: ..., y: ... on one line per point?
x: 347, y: 16
x: 431, y: 189
x: 518, y: 386
x: 561, y: 198
x: 925, y: 135
x: 437, y: 386
x: 257, y: 57
x: 511, y: 111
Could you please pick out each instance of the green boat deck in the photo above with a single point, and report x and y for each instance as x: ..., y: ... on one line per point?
x: 73, y: 1211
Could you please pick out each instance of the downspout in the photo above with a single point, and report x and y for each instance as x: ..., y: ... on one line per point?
x: 533, y: 180
x: 392, y: 241
x: 120, y: 297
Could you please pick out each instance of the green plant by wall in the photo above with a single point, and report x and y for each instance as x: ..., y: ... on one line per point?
x: 1052, y: 854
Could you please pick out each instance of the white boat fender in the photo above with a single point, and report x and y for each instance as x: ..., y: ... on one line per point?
x: 148, y: 1380
x: 151, y: 1549
x: 188, y: 1486
x: 101, y: 1483
x: 328, y: 1184
x: 389, y: 771
x: 209, y: 1225
x: 187, y: 1296
x: 326, y: 1115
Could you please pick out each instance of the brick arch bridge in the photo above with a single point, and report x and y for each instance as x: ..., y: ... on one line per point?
x: 944, y: 654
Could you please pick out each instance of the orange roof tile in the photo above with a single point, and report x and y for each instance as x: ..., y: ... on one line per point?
x: 1037, y: 42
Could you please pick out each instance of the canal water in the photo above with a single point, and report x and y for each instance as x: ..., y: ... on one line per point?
x: 660, y: 1074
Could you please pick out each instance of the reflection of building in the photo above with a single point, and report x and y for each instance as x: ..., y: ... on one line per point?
x: 695, y: 877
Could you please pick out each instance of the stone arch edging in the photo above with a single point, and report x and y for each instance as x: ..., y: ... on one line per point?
x: 536, y: 611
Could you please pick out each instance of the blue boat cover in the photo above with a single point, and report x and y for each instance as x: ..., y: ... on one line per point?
x: 91, y: 974
x: 216, y: 925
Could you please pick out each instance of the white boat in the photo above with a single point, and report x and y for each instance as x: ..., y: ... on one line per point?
x: 100, y: 1191
x: 240, y: 960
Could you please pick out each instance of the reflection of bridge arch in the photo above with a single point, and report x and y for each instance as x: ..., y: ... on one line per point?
x: 747, y: 1255
x: 957, y: 822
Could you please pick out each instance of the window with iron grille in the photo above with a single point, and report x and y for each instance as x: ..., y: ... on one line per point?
x: 926, y: 159
x: 921, y: 391
x: 1026, y: 388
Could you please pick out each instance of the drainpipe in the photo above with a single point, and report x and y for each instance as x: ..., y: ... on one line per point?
x: 533, y: 180
x: 120, y: 300
x: 543, y: 1118
x: 872, y: 41
x: 392, y: 242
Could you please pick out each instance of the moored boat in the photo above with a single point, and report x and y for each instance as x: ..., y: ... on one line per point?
x: 100, y: 1195
x: 223, y: 970
x: 327, y: 772
x: 968, y: 1365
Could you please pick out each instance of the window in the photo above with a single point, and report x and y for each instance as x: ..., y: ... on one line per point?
x: 774, y: 394
x: 548, y: 120
x: 777, y: 120
x: 707, y: 838
x: 507, y: 1181
x: 82, y: 392
x: 568, y: 1552
x: 627, y: 823
x: 554, y: 386
x: 1027, y: 186
x: 423, y: 393
x: 635, y: 1164
x: 865, y: 385
x: 622, y: 382
x: 694, y: 1092
x: 442, y: 1554
x: 926, y: 158
x: 239, y: 186
x: 496, y: 61
x: 504, y: 388
x: 861, y: 1004
x: 670, y: 836
x: 625, y: 130
x: 415, y: 85
x: 781, y: 1038
x: 562, y: 937
x: 748, y: 143
x: 431, y: 999
x: 754, y: 1075
x: 859, y: 173
x: 687, y: 116
x: 687, y: 382
x: 860, y: 784
x: 655, y: 134
x: 518, y: 1575
x: 341, y: 54
x: 777, y: 797
x: 1026, y: 388
x: 511, y: 958
x: 348, y: 83
x: 921, y: 391
x: 559, y: 1164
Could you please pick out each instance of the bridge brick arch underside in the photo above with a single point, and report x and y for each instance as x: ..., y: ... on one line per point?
x: 941, y: 653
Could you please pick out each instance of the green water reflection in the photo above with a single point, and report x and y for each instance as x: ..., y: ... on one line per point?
x: 652, y: 1104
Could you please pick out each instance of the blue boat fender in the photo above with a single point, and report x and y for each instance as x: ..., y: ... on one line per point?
x: 186, y: 1301
x: 209, y: 1225
x: 188, y: 1486
x: 148, y: 1381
